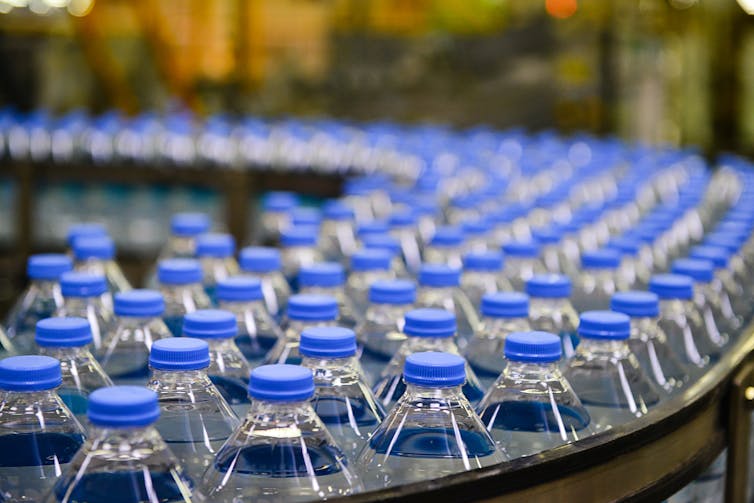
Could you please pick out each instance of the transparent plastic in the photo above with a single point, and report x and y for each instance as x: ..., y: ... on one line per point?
x: 39, y: 301
x: 485, y: 350
x: 180, y: 300
x: 179, y: 247
x: 518, y: 270
x: 271, y: 224
x: 116, y: 280
x: 293, y: 257
x: 684, y: 327
x: 531, y: 407
x: 348, y: 315
x: 337, y: 240
x: 229, y: 372
x: 380, y: 335
x: 410, y: 247
x: 276, y: 292
x: 557, y: 316
x: 476, y: 283
x: 593, y: 289
x: 357, y: 287
x: 257, y: 330
x: 96, y: 310
x: 448, y: 255
x: 285, y: 349
x: 216, y: 269
x: 454, y: 300
x: 651, y: 346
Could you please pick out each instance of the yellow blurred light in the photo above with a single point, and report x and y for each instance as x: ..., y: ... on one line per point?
x: 5, y: 7
x: 561, y: 9
x: 747, y: 6
x: 80, y: 8
x: 56, y: 4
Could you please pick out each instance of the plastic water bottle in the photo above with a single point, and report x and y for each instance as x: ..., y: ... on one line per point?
x: 85, y: 295
x: 95, y: 255
x: 257, y: 330
x: 275, y: 217
x: 680, y: 320
x: 431, y: 432
x: 503, y: 313
x: 181, y: 286
x: 477, y: 235
x: 482, y: 274
x: 731, y: 273
x: 228, y: 369
x: 328, y: 278
x: 597, y: 280
x: 367, y: 266
x: 266, y: 264
x: 124, y: 458
x: 38, y: 434
x: 215, y: 253
x: 380, y: 334
x: 195, y: 420
x: 633, y: 272
x: 282, y: 450
x: 124, y: 353
x: 338, y: 241
x: 521, y: 263
x: 387, y: 242
x: 304, y: 311
x: 426, y: 330
x: 299, y: 248
x: 404, y: 228
x: 84, y: 230
x: 721, y: 290
x: 439, y: 287
x: 605, y: 374
x: 445, y: 247
x: 549, y: 239
x: 305, y: 216
x: 66, y: 340
x: 40, y: 300
x: 550, y: 309
x: 342, y: 398
x: 185, y: 228
x: 648, y: 341
x: 531, y: 407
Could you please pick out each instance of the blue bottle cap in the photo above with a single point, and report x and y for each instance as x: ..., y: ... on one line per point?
x: 483, y: 261
x: 139, y: 303
x: 210, y: 324
x: 373, y: 227
x: 239, y: 289
x: 29, y: 373
x: 179, y: 353
x: 281, y: 383
x: 636, y: 304
x: 259, y: 259
x: 189, y: 224
x: 626, y: 245
x: 279, y: 202
x: 123, y: 407
x: 434, y: 370
x: 337, y: 210
x: 371, y: 260
x: 48, y: 266
x: 700, y: 270
x: 478, y: 227
x: 672, y: 286
x: 735, y: 226
x: 63, y: 332
x: 548, y: 235
x: 382, y: 242
x: 396, y: 292
x: 328, y: 342
x: 82, y: 284
x: 523, y: 249
x: 215, y: 245
x: 447, y: 237
x: 404, y: 218
x: 716, y: 254
x: 731, y: 241
x: 302, y: 235
x: 605, y: 258
x: 429, y: 322
x: 439, y: 275
x: 179, y: 271
x: 99, y: 247
x: 505, y: 305
x: 303, y: 307
x: 533, y: 347
x: 604, y: 325
x: 549, y: 286
x: 306, y: 217
x: 322, y: 274
x: 85, y: 229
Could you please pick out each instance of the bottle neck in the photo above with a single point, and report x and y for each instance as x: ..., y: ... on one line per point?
x: 332, y: 371
x: 603, y: 347
x: 240, y: 307
x: 443, y: 344
x: 179, y: 376
x: 526, y: 370
x: 66, y: 353
x: 136, y: 322
x: 415, y: 391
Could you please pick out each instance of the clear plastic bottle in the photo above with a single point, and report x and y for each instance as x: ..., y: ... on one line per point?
x: 124, y: 353
x: 303, y: 311
x: 722, y: 289
x: 549, y: 238
x: 606, y: 375
x: 431, y: 432
x: 522, y: 261
x: 124, y: 459
x: 228, y: 369
x: 367, y: 266
x: 727, y: 252
x: 597, y: 281
x: 38, y: 434
x: 387, y: 242
x: 66, y: 340
x: 503, y: 313
x: 342, y: 398
x: 404, y: 228
x: 531, y: 407
x: 275, y: 216
x: 299, y: 248
x: 215, y: 253
x: 257, y: 330
x: 380, y: 334
x: 266, y: 264
x: 482, y: 274
x: 195, y: 420
x: 439, y: 286
x: 633, y: 272
x: 96, y: 255
x: 338, y: 241
x: 39, y: 301
x: 477, y: 235
x: 426, y: 330
x: 680, y: 320
x: 85, y: 295
x: 329, y: 278
x: 446, y: 247
x: 550, y: 309
x: 84, y: 230
x: 281, y: 452
x: 181, y: 286
x: 648, y: 341
x: 184, y: 229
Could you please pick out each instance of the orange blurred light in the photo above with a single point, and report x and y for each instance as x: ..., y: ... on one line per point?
x: 561, y: 9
